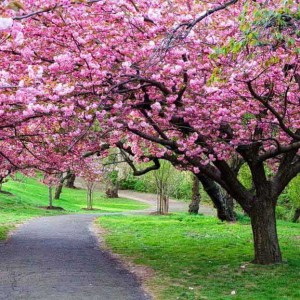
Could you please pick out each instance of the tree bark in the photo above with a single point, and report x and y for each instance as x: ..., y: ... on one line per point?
x: 112, y: 191
x: 217, y: 197
x: 62, y: 179
x: 163, y: 204
x: 229, y: 204
x: 58, y: 190
x: 194, y: 205
x: 296, y: 215
x: 89, y: 205
x: 70, y: 181
x: 50, y: 197
x: 263, y: 222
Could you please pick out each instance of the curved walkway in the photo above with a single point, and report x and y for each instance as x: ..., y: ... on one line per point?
x: 174, y: 205
x: 59, y: 258
x: 150, y: 199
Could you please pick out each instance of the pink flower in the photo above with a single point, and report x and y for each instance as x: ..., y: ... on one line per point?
x: 6, y: 23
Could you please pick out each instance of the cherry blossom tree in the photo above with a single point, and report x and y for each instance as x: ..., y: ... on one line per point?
x: 91, y: 170
x: 191, y: 82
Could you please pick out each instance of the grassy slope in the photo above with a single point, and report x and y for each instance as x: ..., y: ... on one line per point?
x: 197, y: 257
x: 29, y: 194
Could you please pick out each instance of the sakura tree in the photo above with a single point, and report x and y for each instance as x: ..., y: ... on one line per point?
x: 191, y: 82
x: 91, y: 170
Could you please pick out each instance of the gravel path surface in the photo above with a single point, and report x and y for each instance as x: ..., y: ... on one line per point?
x: 59, y: 258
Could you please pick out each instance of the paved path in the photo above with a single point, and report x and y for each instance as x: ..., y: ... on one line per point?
x: 59, y: 258
x: 151, y: 199
x: 174, y: 205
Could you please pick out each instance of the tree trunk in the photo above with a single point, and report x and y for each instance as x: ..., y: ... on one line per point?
x: 58, y: 191
x: 229, y: 204
x: 50, y: 197
x: 263, y: 222
x: 59, y: 187
x: 89, y: 205
x: 162, y: 204
x: 296, y: 215
x: 217, y: 197
x: 194, y: 205
x: 165, y: 204
x: 112, y: 191
x: 1, y: 183
x: 70, y: 181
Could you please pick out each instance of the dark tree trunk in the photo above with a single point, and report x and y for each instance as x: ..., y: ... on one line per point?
x: 263, y: 222
x: 296, y: 215
x: 194, y: 205
x: 58, y: 190
x: 229, y: 204
x: 216, y: 195
x: 70, y: 181
x: 62, y: 179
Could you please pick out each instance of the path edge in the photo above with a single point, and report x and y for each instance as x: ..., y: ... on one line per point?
x: 142, y: 273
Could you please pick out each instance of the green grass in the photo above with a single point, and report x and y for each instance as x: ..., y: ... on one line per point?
x: 197, y: 257
x: 29, y: 195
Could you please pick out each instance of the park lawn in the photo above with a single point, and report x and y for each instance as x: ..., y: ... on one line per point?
x: 28, y: 195
x: 198, y: 257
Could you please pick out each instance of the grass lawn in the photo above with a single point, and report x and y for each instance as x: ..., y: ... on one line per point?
x: 198, y: 257
x: 28, y: 195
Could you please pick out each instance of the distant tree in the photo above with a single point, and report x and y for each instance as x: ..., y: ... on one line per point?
x: 90, y: 184
x: 91, y: 170
x: 165, y: 183
x: 70, y: 180
x: 196, y: 197
x: 50, y: 180
x: 111, y: 173
x: 62, y: 178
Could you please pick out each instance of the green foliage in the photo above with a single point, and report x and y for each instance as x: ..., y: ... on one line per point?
x: 140, y: 186
x: 181, y: 182
x: 261, y: 27
x: 245, y: 176
x: 293, y: 191
x: 289, y: 200
x: 133, y: 183
x: 113, y: 176
x: 198, y: 257
x: 282, y: 213
x: 184, y: 189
